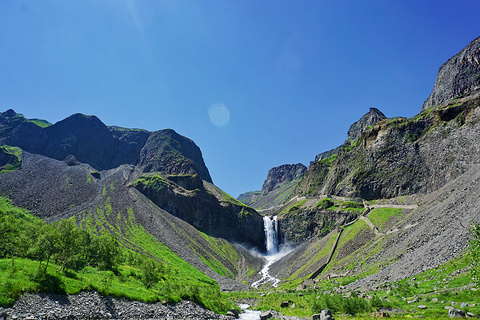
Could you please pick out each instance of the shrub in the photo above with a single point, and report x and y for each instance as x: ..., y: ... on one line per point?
x: 339, y: 304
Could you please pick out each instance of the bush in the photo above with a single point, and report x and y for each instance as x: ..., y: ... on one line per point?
x: 339, y: 304
x: 325, y: 203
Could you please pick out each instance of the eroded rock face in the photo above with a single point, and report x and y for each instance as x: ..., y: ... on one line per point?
x: 367, y: 120
x: 166, y: 151
x: 355, y: 131
x: 205, y: 207
x: 402, y: 156
x: 90, y: 141
x: 458, y: 76
x: 281, y: 174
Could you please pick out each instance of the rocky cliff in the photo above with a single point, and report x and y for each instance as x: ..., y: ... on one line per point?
x: 457, y: 77
x: 90, y: 141
x: 354, y: 132
x: 277, y: 188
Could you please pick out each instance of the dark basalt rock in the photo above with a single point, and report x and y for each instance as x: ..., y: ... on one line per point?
x: 186, y: 198
x: 89, y: 140
x: 166, y: 151
x: 459, y: 76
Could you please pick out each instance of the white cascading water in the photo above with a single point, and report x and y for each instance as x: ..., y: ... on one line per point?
x: 273, y: 254
x: 271, y: 234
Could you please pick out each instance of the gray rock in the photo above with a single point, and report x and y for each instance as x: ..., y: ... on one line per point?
x: 456, y: 313
x: 325, y: 314
x: 266, y: 315
x: 422, y: 306
x: 435, y: 300
x: 471, y: 315
x: 457, y: 76
x: 463, y: 305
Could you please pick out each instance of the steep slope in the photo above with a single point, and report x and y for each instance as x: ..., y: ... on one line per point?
x: 53, y: 190
x: 81, y: 168
x: 90, y: 141
x: 402, y: 156
x: 398, y: 238
x: 276, y: 189
x: 458, y: 76
x: 421, y: 176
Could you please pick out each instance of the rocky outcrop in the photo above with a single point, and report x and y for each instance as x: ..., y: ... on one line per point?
x: 402, y: 156
x: 166, y: 151
x: 457, y: 77
x: 281, y: 174
x: 90, y: 141
x: 355, y: 131
x: 205, y: 207
x: 277, y: 188
x: 367, y: 120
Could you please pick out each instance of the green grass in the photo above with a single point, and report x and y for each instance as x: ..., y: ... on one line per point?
x: 175, y: 279
x: 16, y: 162
x: 380, y: 216
x: 293, y: 207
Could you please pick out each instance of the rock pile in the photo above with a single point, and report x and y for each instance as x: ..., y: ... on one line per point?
x: 91, y: 305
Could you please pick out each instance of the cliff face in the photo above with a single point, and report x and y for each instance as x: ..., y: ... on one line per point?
x: 406, y: 156
x: 281, y: 174
x: 205, y: 207
x: 355, y: 131
x: 277, y: 188
x: 90, y: 141
x: 457, y: 77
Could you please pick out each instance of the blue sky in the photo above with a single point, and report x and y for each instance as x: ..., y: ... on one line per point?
x: 255, y: 84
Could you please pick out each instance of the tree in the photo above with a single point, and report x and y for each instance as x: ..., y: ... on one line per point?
x: 47, y: 245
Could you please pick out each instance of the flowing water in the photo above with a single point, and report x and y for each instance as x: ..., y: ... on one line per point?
x: 273, y: 252
x: 248, y: 314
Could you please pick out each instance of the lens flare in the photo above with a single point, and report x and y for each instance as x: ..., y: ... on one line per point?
x: 219, y: 114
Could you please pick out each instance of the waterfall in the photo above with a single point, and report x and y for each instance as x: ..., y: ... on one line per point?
x: 271, y: 234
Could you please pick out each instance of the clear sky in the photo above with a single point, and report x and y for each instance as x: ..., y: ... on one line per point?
x: 255, y: 84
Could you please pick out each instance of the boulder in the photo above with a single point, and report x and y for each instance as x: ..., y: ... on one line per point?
x: 266, y: 315
x: 456, y: 313
x: 233, y: 313
x: 325, y: 314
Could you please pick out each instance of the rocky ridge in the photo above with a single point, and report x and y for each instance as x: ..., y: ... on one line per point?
x: 458, y: 76
x: 276, y: 189
x: 90, y: 141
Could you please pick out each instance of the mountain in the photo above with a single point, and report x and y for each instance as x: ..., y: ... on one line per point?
x: 277, y: 188
x: 398, y: 199
x: 457, y: 77
x: 120, y: 180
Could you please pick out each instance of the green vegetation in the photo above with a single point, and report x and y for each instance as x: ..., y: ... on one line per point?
x: 474, y: 252
x: 328, y: 160
x: 324, y: 203
x: 60, y: 257
x: 41, y: 123
x: 154, y: 182
x: 294, y: 207
x: 347, y: 305
x: 352, y: 206
x: 380, y: 216
x: 15, y: 155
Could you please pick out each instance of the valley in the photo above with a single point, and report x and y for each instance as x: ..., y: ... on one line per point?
x: 382, y: 224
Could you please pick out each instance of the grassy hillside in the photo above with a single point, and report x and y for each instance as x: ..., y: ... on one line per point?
x: 60, y: 257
